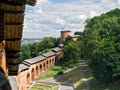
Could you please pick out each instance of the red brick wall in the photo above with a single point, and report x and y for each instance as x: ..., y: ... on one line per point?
x: 64, y: 35
x: 24, y: 78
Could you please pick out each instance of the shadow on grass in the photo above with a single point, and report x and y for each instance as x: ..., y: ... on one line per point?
x: 74, y: 77
x: 96, y: 85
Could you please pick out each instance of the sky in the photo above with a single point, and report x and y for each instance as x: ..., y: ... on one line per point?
x: 48, y: 17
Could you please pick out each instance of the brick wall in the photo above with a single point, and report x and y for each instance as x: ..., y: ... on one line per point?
x: 25, y: 77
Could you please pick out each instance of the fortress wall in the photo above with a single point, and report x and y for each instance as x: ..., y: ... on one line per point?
x: 33, y: 70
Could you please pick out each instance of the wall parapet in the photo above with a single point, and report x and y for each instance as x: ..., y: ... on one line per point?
x: 31, y: 68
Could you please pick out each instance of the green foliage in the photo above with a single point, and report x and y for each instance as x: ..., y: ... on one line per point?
x: 34, y: 49
x: 25, y: 52
x: 48, y: 42
x: 71, y: 51
x: 57, y: 41
x: 51, y: 72
x: 101, y: 46
x: 78, y: 33
x: 37, y: 48
x: 60, y: 72
x: 67, y: 40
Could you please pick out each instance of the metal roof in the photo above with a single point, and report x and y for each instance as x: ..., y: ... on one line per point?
x: 13, y: 82
x: 35, y: 60
x: 48, y: 54
x: 61, y: 45
x: 75, y: 36
x: 56, y: 49
x: 22, y: 67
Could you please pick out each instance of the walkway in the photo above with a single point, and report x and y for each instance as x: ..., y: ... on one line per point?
x: 86, y: 77
x: 13, y: 82
x: 67, y: 86
x: 63, y: 86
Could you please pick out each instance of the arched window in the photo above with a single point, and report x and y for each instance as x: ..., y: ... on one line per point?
x: 32, y: 74
x: 44, y: 66
x: 50, y: 63
x: 40, y: 68
x: 37, y: 71
x: 28, y: 79
x: 47, y: 64
x: 56, y: 59
x: 53, y: 60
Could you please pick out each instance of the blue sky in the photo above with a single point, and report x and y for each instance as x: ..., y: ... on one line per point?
x: 48, y: 17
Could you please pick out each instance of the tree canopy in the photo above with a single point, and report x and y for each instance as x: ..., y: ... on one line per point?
x: 101, y: 45
x: 37, y: 48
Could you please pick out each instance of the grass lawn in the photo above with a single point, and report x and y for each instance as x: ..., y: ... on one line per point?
x: 51, y: 72
x: 103, y: 86
x: 45, y: 86
x: 95, y: 85
x: 75, y: 77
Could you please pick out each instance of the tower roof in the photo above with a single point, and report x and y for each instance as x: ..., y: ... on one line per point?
x: 65, y: 28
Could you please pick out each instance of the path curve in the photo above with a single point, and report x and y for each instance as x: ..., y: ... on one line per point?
x: 85, y: 74
x: 62, y: 85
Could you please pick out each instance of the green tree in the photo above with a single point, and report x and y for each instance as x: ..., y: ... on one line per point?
x: 48, y: 42
x: 101, y: 46
x: 37, y: 48
x: 57, y: 41
x: 25, y: 52
x: 68, y: 40
x: 34, y: 49
x: 71, y: 53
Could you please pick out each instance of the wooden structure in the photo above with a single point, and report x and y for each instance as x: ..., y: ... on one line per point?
x: 11, y: 26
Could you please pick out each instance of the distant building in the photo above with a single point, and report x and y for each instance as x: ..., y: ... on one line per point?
x: 65, y: 33
x: 75, y: 37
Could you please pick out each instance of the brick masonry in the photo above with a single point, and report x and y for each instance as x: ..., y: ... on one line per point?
x: 32, y: 68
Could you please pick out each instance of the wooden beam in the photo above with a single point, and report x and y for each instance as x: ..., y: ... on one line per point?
x: 19, y: 2
x: 2, y: 24
x: 31, y: 2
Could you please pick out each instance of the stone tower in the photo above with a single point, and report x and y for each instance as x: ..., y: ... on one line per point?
x: 65, y: 33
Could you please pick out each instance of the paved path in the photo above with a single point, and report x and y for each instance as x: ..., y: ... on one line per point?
x: 66, y: 86
x: 87, y: 81
x: 63, y: 86
x: 13, y: 82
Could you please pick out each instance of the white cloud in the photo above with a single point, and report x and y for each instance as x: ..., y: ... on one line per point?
x: 60, y: 21
x: 82, y: 17
x: 48, y: 18
x: 42, y: 1
x: 92, y: 14
x: 118, y: 2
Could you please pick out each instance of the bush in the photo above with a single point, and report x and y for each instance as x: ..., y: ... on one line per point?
x: 60, y: 72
